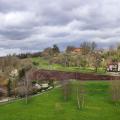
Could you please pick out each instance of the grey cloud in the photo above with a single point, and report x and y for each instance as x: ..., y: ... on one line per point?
x: 15, y: 34
x: 36, y: 24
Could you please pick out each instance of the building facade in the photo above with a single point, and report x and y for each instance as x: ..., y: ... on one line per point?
x: 114, y: 67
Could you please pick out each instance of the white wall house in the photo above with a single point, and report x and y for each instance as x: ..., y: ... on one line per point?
x: 114, y: 67
x: 119, y: 66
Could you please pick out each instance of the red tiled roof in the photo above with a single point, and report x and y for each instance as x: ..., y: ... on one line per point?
x: 77, y: 50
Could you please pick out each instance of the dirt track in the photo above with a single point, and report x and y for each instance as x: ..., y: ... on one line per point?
x: 61, y: 75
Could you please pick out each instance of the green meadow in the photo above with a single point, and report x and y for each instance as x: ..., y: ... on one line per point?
x: 51, y: 105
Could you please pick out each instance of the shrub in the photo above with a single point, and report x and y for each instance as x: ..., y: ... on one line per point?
x: 34, y: 82
x: 35, y: 63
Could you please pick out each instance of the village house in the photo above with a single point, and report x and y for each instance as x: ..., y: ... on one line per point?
x: 77, y: 50
x: 114, y: 67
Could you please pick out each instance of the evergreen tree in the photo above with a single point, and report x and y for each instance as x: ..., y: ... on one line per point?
x: 56, y: 49
x: 9, y: 87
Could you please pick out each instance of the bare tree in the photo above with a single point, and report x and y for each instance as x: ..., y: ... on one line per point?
x: 115, y: 90
x: 21, y: 91
x: 93, y: 46
x: 80, y: 93
x: 8, y: 65
x: 97, y: 61
x: 27, y: 82
x: 66, y: 89
x: 85, y: 47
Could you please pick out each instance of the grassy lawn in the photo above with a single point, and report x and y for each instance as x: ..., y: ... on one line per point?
x: 44, y: 64
x: 50, y: 106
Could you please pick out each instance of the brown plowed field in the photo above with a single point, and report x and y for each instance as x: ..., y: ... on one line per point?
x: 60, y: 75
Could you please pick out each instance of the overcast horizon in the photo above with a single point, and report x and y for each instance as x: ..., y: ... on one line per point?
x: 33, y: 25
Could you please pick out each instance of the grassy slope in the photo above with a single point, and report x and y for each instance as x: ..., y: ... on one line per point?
x: 43, y: 64
x: 50, y: 106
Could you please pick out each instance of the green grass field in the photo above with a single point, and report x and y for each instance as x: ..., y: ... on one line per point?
x: 51, y: 106
x: 44, y: 64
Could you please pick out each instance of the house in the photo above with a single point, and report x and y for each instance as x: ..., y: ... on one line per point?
x: 77, y: 50
x: 119, y: 66
x: 114, y: 67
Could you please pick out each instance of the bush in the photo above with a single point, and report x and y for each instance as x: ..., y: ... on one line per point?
x: 21, y: 91
x: 35, y: 63
x: 33, y: 82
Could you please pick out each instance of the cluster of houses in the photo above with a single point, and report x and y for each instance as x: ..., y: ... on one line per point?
x: 81, y: 50
x: 112, y: 67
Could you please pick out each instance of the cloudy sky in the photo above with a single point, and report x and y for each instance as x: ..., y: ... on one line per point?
x: 32, y: 25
